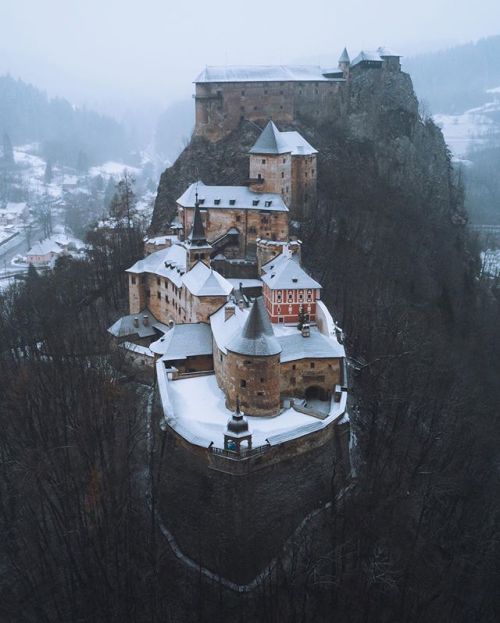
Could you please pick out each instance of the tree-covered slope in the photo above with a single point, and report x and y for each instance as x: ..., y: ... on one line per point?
x: 27, y: 115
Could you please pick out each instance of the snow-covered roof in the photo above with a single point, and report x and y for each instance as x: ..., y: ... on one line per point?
x: 316, y: 346
x: 44, y: 247
x: 287, y: 273
x: 371, y: 56
x: 239, y: 197
x: 184, y: 340
x: 257, y: 336
x: 344, y: 57
x: 272, y: 141
x: 137, y: 348
x: 169, y: 263
x: 262, y: 73
x: 224, y: 330
x: 384, y: 52
x: 204, y: 281
x: 160, y: 240
x: 14, y: 207
x: 125, y: 325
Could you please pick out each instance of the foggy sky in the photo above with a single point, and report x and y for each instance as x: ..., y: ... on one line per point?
x: 108, y: 53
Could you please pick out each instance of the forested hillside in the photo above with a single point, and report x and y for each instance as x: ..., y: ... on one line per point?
x: 455, y: 80
x: 27, y: 115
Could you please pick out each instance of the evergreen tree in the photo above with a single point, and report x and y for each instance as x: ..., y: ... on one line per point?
x: 8, y: 151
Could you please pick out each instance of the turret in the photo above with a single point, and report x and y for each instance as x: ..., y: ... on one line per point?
x: 196, y: 243
x: 345, y: 63
x: 253, y: 365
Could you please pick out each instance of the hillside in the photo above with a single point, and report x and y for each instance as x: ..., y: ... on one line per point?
x: 27, y: 115
x: 457, y: 79
x: 388, y: 242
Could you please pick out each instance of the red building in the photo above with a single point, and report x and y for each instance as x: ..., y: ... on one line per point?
x: 288, y: 288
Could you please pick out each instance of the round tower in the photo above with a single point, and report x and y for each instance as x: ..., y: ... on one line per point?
x: 253, y: 366
x: 345, y: 63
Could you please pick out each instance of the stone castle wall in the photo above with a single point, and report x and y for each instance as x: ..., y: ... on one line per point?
x: 299, y: 376
x: 220, y: 107
x: 276, y: 173
x: 251, y: 224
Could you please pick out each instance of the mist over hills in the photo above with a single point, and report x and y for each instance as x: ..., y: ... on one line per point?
x: 457, y: 79
x: 28, y: 115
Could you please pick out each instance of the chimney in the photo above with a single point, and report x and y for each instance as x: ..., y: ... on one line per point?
x: 229, y: 311
x: 306, y: 330
x: 145, y: 320
x: 136, y: 322
x: 241, y: 304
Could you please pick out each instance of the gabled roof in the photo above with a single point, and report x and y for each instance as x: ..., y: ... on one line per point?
x: 125, y: 326
x: 184, y: 340
x: 316, y: 346
x: 204, y: 281
x: 288, y: 274
x: 372, y: 57
x: 272, y: 141
x: 257, y: 337
x: 169, y: 263
x: 232, y: 197
x: 261, y: 73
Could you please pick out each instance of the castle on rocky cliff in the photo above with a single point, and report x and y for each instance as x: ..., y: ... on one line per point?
x: 225, y: 96
x: 249, y: 363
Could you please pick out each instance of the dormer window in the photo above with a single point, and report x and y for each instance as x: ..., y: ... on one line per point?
x: 232, y: 202
x: 268, y: 203
x: 216, y: 202
x: 295, y: 280
x: 201, y: 201
x: 255, y: 202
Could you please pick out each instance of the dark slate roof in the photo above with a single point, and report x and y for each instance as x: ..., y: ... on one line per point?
x: 257, y: 336
x: 272, y: 141
x: 344, y: 57
x: 197, y: 235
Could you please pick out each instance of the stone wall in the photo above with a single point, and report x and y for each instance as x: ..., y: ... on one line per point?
x: 220, y: 107
x: 251, y: 224
x: 255, y: 381
x: 276, y: 173
x: 299, y: 376
x: 304, y: 185
x: 167, y: 302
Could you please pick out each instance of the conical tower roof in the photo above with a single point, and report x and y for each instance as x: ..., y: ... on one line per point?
x: 257, y: 336
x: 197, y: 234
x: 269, y: 141
x: 344, y: 57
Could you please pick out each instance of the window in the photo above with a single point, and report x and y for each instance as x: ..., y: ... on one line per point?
x: 243, y: 383
x: 280, y: 319
x: 243, y: 92
x: 132, y: 279
x: 312, y: 171
x: 158, y: 282
x: 265, y: 91
x: 283, y: 174
x: 221, y: 357
x: 263, y: 161
x: 284, y: 160
x: 262, y: 380
x: 201, y: 201
x: 259, y: 177
x: 268, y: 203
x: 158, y: 295
x: 312, y: 364
x: 216, y: 202
x: 148, y: 293
x: 294, y: 367
x: 260, y: 393
x: 232, y: 202
x: 255, y: 202
x: 166, y: 298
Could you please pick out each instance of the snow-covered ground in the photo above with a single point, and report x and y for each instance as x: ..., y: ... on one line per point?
x: 196, y: 410
x: 471, y: 129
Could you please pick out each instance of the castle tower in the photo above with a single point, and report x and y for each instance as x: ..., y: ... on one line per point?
x: 345, y: 63
x: 285, y: 163
x: 197, y: 246
x: 253, y: 365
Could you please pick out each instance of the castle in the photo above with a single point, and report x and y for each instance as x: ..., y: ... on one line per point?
x: 225, y: 96
x: 249, y: 363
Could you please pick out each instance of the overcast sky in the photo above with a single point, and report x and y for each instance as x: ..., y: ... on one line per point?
x: 101, y: 52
